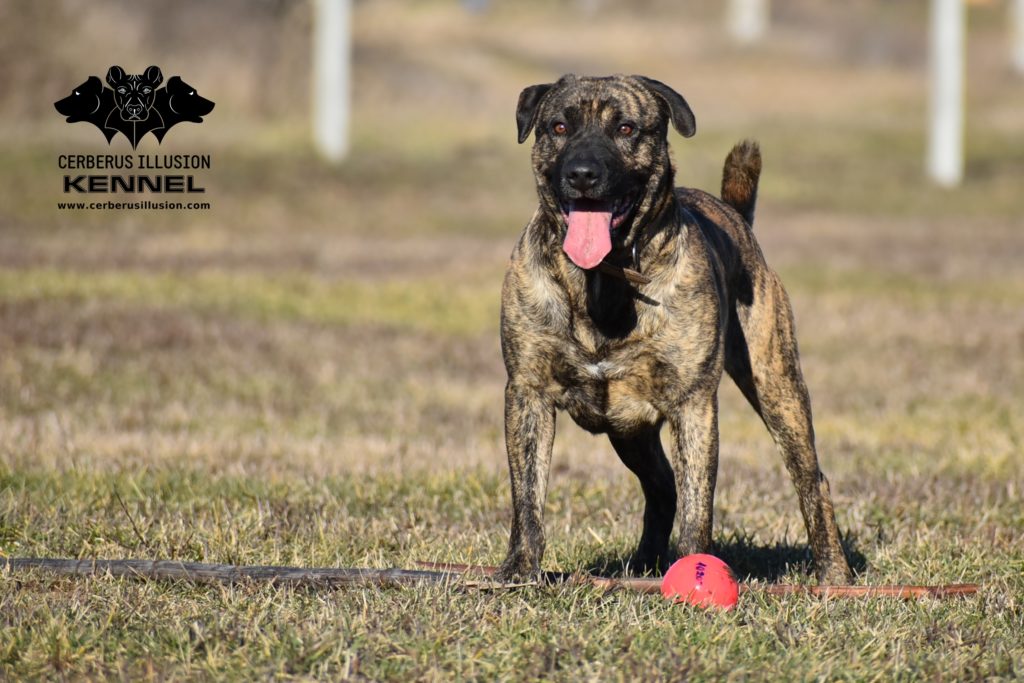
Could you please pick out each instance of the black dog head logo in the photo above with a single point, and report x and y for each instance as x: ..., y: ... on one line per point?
x: 89, y: 102
x: 134, y: 104
x: 134, y: 94
x: 179, y: 102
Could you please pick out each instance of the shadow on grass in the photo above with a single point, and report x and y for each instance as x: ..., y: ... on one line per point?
x: 748, y: 559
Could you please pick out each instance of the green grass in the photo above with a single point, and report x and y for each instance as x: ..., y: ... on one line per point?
x: 103, y: 626
x: 310, y: 374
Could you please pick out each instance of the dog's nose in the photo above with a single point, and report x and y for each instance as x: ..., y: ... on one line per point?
x: 583, y: 174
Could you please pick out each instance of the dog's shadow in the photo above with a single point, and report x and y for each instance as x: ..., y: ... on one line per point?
x: 748, y: 559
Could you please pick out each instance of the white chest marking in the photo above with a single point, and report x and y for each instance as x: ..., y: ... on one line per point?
x: 600, y: 370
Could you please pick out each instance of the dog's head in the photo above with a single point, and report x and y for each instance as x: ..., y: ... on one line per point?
x: 134, y: 93
x: 185, y: 102
x: 601, y: 156
x: 84, y: 102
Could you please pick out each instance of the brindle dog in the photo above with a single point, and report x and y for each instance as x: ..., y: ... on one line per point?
x: 625, y: 299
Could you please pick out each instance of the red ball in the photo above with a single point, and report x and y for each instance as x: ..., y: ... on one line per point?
x: 702, y: 580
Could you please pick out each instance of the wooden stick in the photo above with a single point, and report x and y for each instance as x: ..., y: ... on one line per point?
x: 484, y: 569
x: 901, y: 591
x: 197, y: 572
x: 653, y: 585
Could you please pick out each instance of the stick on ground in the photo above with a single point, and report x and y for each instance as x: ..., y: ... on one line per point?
x: 653, y: 585
x: 198, y: 572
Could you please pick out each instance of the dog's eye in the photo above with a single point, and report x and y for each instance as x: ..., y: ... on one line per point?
x: 626, y: 129
x: 122, y: 90
x: 193, y: 92
x: 559, y: 128
x: 77, y: 93
x: 146, y: 91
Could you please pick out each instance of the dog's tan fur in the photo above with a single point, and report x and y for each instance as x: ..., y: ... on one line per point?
x: 623, y: 359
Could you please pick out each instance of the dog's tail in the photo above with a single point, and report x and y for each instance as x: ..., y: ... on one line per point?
x: 739, y: 178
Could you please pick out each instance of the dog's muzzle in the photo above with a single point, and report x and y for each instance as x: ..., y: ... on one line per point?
x: 135, y: 112
x: 591, y: 210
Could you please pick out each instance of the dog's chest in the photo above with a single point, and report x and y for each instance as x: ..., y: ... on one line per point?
x: 616, y: 392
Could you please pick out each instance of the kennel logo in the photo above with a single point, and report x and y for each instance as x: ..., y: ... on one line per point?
x: 134, y: 104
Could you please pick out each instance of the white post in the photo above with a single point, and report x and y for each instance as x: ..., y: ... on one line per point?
x: 331, y: 68
x: 747, y: 19
x: 1017, y: 34
x: 946, y: 136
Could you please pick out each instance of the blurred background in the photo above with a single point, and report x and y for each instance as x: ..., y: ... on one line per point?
x: 325, y: 319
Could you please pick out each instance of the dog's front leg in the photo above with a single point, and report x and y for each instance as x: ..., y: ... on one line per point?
x: 695, y: 462
x: 529, y: 435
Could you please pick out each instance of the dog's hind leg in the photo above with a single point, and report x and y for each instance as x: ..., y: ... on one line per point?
x: 645, y: 458
x: 762, y: 358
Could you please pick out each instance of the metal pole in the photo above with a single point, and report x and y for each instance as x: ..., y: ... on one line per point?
x: 747, y: 19
x: 331, y: 76
x: 946, y: 136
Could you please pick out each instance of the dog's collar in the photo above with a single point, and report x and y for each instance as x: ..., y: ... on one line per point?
x: 631, y: 275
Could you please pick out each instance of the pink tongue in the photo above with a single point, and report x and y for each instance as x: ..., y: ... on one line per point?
x: 589, y: 238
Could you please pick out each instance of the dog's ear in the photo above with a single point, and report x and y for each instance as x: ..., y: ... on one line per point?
x: 529, y: 105
x: 682, y: 116
x: 154, y: 75
x: 93, y: 84
x: 115, y: 75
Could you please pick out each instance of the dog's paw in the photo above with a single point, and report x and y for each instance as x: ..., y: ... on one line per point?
x: 517, y: 569
x: 836, y: 573
x: 643, y: 563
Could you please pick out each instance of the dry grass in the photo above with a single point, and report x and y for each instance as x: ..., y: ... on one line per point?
x: 309, y: 374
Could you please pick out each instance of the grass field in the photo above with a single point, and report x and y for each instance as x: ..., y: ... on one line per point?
x: 309, y: 374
